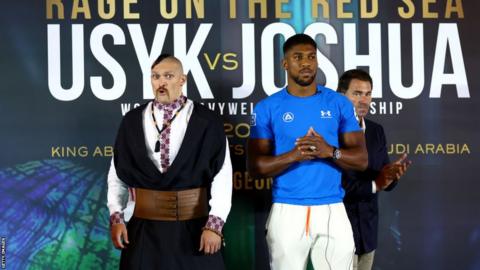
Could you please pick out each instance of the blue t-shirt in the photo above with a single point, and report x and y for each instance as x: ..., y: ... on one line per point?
x: 282, y: 118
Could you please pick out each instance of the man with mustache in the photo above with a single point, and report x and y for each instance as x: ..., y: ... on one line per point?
x: 361, y: 188
x: 175, y: 155
x: 303, y: 136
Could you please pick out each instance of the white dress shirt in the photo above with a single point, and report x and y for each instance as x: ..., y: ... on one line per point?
x: 221, y: 189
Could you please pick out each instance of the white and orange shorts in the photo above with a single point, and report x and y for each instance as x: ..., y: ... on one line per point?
x: 322, y: 231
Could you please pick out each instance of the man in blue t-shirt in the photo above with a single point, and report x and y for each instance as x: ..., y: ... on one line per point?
x: 303, y: 136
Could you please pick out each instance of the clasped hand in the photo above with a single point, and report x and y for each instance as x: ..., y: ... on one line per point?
x: 312, y: 146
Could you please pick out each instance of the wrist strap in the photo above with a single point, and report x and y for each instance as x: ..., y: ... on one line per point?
x: 216, y: 232
x: 213, y: 230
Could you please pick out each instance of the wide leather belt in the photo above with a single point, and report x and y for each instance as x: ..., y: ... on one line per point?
x: 170, y: 205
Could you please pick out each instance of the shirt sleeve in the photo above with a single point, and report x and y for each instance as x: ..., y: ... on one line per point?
x: 348, y: 121
x: 117, y: 191
x: 260, y: 124
x: 221, y: 190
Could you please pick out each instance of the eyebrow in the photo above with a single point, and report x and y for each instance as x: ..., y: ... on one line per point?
x: 360, y: 91
x: 304, y: 52
x: 164, y: 72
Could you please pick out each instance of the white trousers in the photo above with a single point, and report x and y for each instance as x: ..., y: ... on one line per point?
x: 322, y: 231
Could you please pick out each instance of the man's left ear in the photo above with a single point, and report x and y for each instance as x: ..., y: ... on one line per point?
x: 183, y: 79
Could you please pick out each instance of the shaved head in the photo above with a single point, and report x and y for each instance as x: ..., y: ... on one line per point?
x: 169, y: 58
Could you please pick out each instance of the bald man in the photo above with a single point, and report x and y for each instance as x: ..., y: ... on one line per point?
x: 174, y: 154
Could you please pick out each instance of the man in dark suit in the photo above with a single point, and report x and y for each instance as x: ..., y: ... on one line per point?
x: 362, y: 187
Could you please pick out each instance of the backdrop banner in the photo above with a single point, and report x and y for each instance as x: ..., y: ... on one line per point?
x: 71, y: 69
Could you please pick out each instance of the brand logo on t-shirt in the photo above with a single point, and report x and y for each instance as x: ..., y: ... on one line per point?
x: 325, y: 114
x: 287, y: 117
x: 253, y: 120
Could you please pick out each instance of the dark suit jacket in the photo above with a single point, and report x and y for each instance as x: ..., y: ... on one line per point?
x: 360, y: 203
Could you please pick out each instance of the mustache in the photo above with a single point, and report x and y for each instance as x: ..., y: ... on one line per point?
x: 306, y: 70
